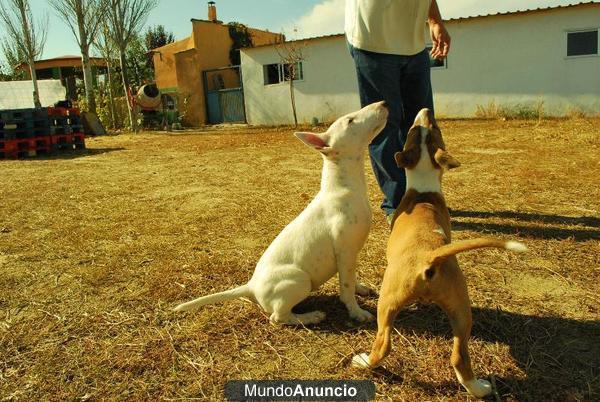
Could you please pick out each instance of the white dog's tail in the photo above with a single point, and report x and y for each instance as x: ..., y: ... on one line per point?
x: 439, y: 255
x: 241, y: 291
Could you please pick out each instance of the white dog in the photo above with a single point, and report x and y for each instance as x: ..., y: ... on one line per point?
x: 326, y: 237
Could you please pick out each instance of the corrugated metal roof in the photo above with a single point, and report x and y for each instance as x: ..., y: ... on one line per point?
x: 522, y: 11
x: 68, y: 57
x: 525, y: 10
x: 296, y: 40
x: 68, y: 60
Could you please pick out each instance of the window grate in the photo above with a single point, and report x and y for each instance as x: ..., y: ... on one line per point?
x: 582, y: 43
x: 280, y: 72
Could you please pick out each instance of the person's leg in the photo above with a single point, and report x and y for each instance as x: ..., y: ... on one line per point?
x: 379, y: 79
x: 416, y: 88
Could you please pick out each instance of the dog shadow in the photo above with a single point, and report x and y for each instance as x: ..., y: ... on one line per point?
x: 539, y: 226
x: 560, y: 356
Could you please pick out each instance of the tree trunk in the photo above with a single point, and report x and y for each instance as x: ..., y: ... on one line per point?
x: 84, y: 44
x: 88, y: 79
x: 123, y: 62
x: 36, y: 90
x: 111, y: 98
x: 293, y: 100
x: 30, y: 56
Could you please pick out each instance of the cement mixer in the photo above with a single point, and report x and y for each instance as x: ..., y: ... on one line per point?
x: 159, y: 110
x: 148, y: 97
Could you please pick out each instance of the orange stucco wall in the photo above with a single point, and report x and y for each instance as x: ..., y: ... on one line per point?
x: 260, y: 37
x: 180, y: 64
x: 164, y: 62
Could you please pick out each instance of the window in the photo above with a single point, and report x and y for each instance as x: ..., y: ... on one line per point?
x: 271, y: 74
x: 276, y: 73
x: 435, y: 63
x: 582, y: 43
x: 296, y: 71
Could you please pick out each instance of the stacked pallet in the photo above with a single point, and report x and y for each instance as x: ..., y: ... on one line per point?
x: 41, y: 131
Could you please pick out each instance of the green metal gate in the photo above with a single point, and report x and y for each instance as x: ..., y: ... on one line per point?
x: 224, y: 95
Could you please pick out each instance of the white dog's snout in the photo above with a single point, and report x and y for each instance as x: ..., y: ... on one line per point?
x: 383, y: 107
x: 383, y: 113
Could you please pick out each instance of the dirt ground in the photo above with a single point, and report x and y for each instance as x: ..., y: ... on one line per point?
x: 96, y: 248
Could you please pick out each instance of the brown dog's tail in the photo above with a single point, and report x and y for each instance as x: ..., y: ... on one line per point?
x: 439, y: 255
x: 241, y: 291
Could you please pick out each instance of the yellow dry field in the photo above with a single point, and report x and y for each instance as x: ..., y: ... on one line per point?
x: 96, y: 248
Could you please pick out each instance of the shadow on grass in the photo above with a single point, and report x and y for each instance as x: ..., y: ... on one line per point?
x: 560, y: 356
x: 80, y: 153
x: 531, y: 217
x: 538, y: 225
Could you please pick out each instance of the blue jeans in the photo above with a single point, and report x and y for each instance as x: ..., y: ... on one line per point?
x: 404, y: 82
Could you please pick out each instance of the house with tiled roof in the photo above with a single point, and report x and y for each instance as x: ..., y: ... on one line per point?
x: 200, y: 72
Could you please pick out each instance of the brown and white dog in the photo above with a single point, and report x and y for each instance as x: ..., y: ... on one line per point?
x: 421, y: 259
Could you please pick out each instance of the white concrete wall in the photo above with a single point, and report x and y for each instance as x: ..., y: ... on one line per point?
x: 508, y: 60
x: 327, y: 91
x: 19, y: 94
x: 519, y: 58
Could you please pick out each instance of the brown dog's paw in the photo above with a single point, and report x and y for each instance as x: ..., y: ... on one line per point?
x: 478, y: 388
x: 361, y: 361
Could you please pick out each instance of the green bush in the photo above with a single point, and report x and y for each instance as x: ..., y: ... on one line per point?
x: 121, y: 118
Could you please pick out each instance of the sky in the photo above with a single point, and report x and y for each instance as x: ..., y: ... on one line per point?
x: 295, y: 18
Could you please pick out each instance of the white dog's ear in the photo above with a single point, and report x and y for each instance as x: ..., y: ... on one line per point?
x: 445, y: 160
x: 313, y: 140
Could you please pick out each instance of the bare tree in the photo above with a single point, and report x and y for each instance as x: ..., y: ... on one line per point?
x: 126, y: 18
x: 25, y: 34
x: 291, y: 55
x: 83, y: 18
x: 105, y: 46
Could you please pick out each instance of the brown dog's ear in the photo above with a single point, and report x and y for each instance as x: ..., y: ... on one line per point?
x: 445, y: 160
x: 315, y: 141
x: 408, y: 158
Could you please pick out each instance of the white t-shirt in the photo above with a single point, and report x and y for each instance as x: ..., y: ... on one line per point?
x: 387, y: 26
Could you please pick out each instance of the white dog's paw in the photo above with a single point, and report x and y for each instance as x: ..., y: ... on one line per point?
x: 314, y: 317
x: 361, y: 315
x: 363, y: 290
x: 288, y: 318
x: 361, y: 361
x: 478, y: 388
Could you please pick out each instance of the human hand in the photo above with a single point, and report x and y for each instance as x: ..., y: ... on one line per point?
x: 440, y: 39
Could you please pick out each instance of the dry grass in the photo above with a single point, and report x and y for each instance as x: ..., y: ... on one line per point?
x: 518, y: 111
x: 95, y: 249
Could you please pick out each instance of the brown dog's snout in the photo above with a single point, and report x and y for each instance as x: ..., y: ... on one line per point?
x: 425, y: 118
